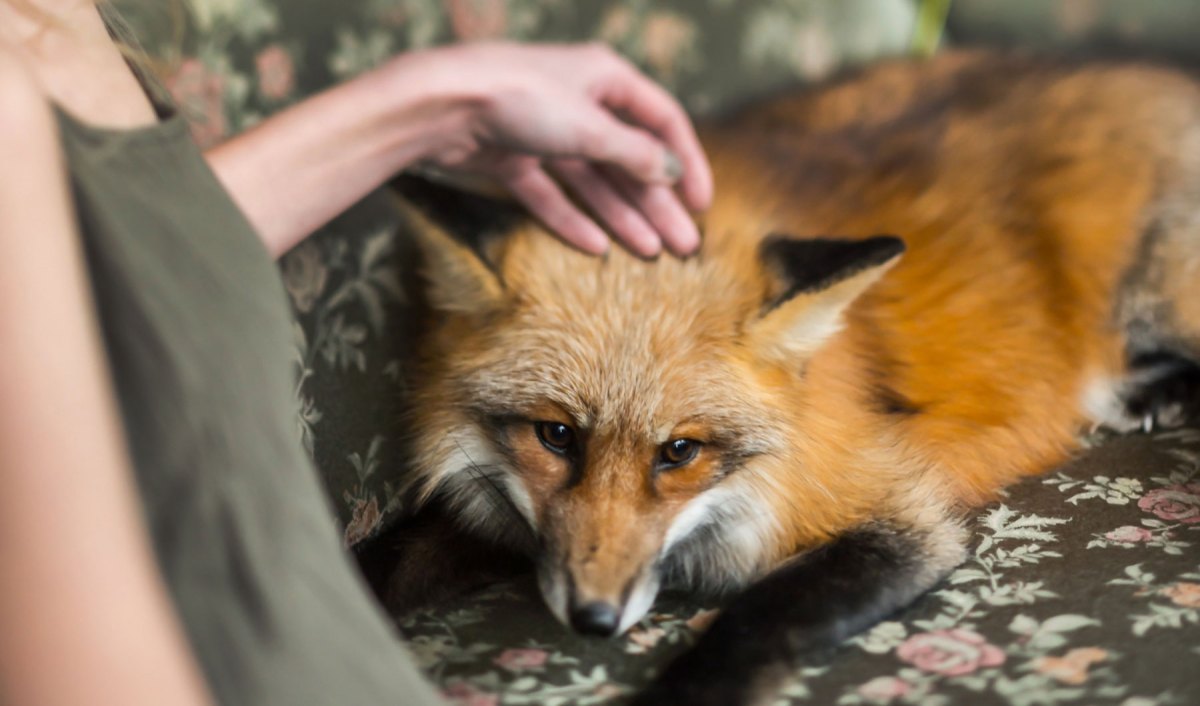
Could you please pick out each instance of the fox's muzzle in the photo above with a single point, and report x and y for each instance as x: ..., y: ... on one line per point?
x: 590, y: 610
x: 599, y: 577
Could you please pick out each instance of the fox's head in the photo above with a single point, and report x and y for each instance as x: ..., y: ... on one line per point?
x: 628, y: 422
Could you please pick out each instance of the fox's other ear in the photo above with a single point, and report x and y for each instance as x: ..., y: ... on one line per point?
x: 460, y: 235
x: 456, y: 278
x: 813, y: 281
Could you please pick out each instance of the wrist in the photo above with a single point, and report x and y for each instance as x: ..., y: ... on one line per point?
x: 429, y: 108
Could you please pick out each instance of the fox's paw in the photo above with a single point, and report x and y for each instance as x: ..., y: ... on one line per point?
x: 800, y: 612
x: 427, y: 560
x: 1167, y: 400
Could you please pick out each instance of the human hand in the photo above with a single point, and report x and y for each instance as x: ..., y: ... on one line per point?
x: 547, y: 116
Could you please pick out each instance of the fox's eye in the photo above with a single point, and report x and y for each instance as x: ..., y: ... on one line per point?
x: 557, y: 437
x: 677, y: 452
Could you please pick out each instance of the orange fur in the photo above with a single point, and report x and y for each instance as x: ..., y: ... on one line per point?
x: 1022, y: 192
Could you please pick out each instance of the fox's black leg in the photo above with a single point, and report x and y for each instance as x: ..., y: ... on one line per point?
x: 427, y: 559
x: 1163, y: 391
x: 810, y: 604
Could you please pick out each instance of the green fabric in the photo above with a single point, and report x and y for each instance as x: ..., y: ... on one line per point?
x: 197, y: 333
x: 1161, y: 28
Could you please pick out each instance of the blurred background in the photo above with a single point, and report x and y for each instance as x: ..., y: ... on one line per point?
x: 233, y: 61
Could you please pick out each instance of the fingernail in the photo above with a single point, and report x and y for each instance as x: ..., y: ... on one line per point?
x: 672, y: 166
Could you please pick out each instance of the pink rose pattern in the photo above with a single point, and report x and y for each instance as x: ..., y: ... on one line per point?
x: 950, y: 652
x: 276, y: 73
x: 1180, y: 503
x: 1071, y: 668
x: 665, y: 38
x: 364, y: 520
x: 884, y: 689
x: 304, y: 275
x: 1129, y: 535
x: 200, y: 94
x: 1183, y: 593
x: 463, y: 694
x: 478, y: 19
x: 519, y: 660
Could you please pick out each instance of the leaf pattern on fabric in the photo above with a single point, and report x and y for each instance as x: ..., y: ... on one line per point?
x: 1038, y: 614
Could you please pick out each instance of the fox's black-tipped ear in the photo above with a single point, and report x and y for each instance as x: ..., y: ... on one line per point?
x: 813, y: 281
x: 461, y: 235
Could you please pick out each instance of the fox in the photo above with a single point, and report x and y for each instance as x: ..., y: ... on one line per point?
x: 916, y: 286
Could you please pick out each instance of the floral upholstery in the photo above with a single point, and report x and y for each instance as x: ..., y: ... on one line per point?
x: 1084, y: 586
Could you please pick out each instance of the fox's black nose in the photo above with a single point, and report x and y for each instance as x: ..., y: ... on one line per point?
x: 595, y: 619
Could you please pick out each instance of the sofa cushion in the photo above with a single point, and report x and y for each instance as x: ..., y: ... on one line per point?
x: 1083, y: 587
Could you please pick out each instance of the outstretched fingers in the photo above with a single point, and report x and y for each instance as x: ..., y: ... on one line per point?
x: 648, y: 105
x: 537, y: 191
x: 662, y: 209
x: 627, y: 224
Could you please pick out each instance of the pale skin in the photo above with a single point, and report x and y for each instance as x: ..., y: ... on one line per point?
x: 83, y: 610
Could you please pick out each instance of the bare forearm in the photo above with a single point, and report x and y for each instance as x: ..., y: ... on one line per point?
x: 532, y: 119
x: 297, y: 170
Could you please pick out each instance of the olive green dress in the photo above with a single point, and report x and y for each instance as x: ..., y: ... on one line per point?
x: 198, y: 337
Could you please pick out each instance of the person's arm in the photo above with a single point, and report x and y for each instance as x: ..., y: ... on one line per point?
x: 84, y: 616
x: 519, y: 114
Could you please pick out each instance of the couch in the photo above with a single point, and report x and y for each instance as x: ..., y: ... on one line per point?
x: 1084, y: 584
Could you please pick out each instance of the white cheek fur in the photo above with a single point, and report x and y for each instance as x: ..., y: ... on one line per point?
x: 640, y: 600
x: 554, y: 591
x: 697, y: 512
x: 718, y: 541
x: 1103, y: 406
x: 470, y: 478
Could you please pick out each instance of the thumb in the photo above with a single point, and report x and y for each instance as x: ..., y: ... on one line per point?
x: 632, y: 150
